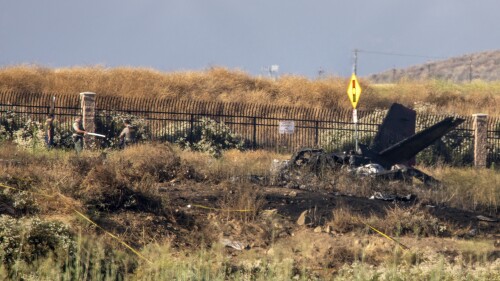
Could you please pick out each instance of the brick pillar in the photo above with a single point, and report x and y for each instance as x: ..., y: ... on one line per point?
x: 88, y: 115
x: 480, y: 139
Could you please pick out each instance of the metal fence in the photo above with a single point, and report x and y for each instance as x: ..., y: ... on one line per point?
x: 258, y: 125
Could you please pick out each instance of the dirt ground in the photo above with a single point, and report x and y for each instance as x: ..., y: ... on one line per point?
x: 290, y: 203
x: 205, y: 214
x: 201, y: 214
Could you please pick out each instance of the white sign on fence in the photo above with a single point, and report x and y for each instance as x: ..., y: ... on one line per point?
x: 287, y: 127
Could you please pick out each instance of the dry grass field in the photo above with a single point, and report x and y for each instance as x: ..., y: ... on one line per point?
x: 190, y: 216
x: 220, y: 84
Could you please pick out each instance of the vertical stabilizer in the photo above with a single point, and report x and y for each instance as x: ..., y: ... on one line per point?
x: 398, y: 124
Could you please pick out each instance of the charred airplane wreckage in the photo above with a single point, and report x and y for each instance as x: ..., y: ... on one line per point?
x: 390, y: 156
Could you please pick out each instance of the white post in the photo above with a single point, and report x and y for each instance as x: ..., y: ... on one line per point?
x: 88, y: 115
x: 355, y: 120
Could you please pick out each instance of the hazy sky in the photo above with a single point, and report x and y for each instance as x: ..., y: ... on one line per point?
x: 299, y: 36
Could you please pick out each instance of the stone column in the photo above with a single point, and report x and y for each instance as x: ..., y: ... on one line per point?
x: 480, y: 139
x: 88, y: 116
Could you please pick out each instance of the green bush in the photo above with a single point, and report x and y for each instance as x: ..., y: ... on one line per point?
x: 208, y: 135
x: 63, y: 135
x: 9, y: 123
x: 111, y: 124
x: 19, y: 202
x: 30, y: 239
x: 30, y: 135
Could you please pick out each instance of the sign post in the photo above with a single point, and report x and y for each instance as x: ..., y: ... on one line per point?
x: 354, y: 91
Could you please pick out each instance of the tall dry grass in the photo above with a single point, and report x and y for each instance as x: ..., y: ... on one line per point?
x: 215, y: 84
x: 224, y: 85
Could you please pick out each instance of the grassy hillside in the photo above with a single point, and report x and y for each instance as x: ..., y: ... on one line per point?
x: 220, y: 84
x: 483, y: 66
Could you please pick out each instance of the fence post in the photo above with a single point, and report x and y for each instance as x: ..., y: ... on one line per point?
x: 480, y: 139
x: 255, y: 132
x: 191, y: 127
x: 316, y: 140
x: 87, y: 100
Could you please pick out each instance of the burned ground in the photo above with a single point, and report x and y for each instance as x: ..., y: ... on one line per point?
x: 321, y: 221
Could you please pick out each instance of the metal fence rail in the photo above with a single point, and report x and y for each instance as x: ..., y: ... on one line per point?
x: 169, y: 120
x: 494, y: 140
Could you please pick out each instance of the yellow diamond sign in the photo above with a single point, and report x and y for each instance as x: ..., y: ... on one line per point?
x: 354, y: 91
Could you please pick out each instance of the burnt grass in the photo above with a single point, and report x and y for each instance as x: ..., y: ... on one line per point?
x: 147, y: 197
x: 321, y: 205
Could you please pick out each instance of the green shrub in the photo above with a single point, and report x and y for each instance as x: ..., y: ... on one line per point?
x: 63, y: 135
x: 111, y: 124
x: 208, y: 135
x: 19, y: 202
x: 30, y: 135
x: 30, y: 239
x: 9, y: 123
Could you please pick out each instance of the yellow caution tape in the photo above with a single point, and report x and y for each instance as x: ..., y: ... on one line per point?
x: 403, y: 246
x: 89, y: 220
x: 113, y: 236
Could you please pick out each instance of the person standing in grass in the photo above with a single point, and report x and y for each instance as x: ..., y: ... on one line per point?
x: 78, y: 133
x: 127, y: 136
x: 49, y: 130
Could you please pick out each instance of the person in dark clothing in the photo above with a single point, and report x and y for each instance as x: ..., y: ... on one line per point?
x: 128, y: 134
x: 49, y: 131
x: 78, y: 133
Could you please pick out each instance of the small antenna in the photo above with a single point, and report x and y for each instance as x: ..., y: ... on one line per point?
x: 355, y: 65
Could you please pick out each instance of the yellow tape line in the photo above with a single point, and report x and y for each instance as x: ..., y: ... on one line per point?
x: 89, y: 220
x: 403, y: 246
x: 217, y: 209
x: 114, y: 236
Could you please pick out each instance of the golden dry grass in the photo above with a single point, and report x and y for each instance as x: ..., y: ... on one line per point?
x: 224, y: 85
x: 467, y: 188
x: 233, y: 163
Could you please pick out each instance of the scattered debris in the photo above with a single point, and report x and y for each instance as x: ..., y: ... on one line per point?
x: 389, y: 157
x: 269, y: 213
x: 483, y: 218
x: 387, y: 197
x: 369, y: 169
x: 233, y: 244
x: 302, y: 218
x: 472, y: 232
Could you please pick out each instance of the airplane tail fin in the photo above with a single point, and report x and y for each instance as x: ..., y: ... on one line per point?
x: 398, y: 124
x: 409, y: 147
